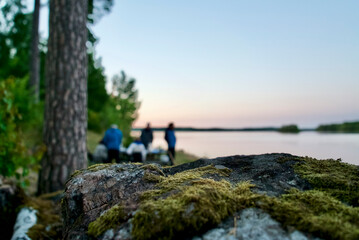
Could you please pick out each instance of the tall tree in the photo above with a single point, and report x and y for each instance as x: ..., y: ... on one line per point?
x: 34, y: 82
x: 66, y: 94
x: 96, y: 84
x: 124, y: 98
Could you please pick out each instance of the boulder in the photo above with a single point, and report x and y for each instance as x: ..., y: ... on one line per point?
x: 269, y: 196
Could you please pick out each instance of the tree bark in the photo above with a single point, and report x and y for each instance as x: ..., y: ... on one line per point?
x: 66, y: 95
x: 34, y: 82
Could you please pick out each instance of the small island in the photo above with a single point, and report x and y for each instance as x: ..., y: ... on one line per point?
x: 289, y: 129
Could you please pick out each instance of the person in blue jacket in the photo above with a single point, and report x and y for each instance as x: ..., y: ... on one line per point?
x: 171, y: 141
x: 112, y: 140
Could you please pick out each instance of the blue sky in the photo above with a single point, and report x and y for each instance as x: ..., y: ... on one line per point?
x: 236, y: 63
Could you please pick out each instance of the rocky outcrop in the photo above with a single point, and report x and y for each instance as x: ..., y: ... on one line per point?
x: 270, y: 196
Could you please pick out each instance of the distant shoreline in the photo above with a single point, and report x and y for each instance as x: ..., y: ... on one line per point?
x: 346, y: 127
x: 191, y: 129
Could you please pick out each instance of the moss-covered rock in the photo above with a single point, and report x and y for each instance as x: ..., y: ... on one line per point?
x: 127, y: 201
x: 314, y: 212
x: 109, y: 219
x: 341, y: 180
x: 191, y: 209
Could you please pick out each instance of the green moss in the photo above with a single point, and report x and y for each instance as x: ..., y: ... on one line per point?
x: 187, y: 201
x: 49, y: 224
x: 190, y: 209
x: 285, y: 159
x: 76, y: 173
x: 99, y: 166
x: 110, y: 219
x: 190, y: 202
x: 314, y: 212
x: 136, y: 163
x: 341, y: 180
x: 150, y: 177
x: 179, y: 180
x: 153, y: 167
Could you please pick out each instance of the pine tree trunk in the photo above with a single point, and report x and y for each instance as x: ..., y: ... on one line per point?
x: 34, y: 82
x: 66, y: 95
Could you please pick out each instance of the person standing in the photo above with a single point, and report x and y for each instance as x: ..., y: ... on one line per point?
x: 147, y: 136
x: 171, y: 142
x: 112, y: 140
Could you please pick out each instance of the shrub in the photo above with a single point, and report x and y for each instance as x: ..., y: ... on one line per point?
x: 14, y: 159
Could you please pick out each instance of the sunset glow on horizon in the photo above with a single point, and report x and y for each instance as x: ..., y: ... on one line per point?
x: 236, y: 63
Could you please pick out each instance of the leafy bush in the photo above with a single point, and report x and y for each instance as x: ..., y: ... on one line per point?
x: 94, y: 122
x: 15, y: 160
x: 124, y: 102
x: 120, y: 108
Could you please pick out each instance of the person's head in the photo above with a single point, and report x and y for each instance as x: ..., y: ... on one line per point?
x: 171, y: 125
x: 114, y: 126
x: 148, y: 126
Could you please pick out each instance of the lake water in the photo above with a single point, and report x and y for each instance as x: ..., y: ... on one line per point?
x: 219, y: 144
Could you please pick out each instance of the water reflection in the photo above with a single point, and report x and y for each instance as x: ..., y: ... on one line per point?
x: 313, y: 144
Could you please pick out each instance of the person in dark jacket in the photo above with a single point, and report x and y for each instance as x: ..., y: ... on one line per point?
x: 171, y: 141
x: 113, y: 140
x: 147, y: 136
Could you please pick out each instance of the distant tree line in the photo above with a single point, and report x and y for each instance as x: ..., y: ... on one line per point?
x: 346, y: 127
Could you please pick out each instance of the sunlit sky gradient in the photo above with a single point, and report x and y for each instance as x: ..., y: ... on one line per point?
x: 236, y: 63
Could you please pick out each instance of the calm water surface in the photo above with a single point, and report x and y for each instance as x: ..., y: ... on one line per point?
x: 313, y: 144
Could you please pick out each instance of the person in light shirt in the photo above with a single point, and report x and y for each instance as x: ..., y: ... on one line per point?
x: 137, y: 150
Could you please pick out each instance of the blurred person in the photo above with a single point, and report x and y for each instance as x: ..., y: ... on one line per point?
x: 171, y: 142
x: 137, y: 151
x: 147, y: 136
x: 100, y: 154
x: 113, y: 140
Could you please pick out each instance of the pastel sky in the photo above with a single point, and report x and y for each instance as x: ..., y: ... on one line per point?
x: 236, y: 63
